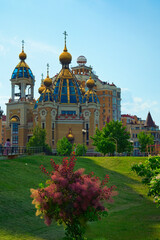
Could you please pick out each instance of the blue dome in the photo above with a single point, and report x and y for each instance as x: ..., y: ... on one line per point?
x: 22, y: 71
x: 67, y: 90
x: 90, y: 97
x: 46, y: 96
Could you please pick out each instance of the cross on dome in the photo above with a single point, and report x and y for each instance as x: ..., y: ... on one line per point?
x: 47, y: 69
x: 22, y: 45
x: 65, y: 36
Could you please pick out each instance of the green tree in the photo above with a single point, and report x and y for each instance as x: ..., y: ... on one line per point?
x: 64, y: 147
x: 81, y: 150
x: 144, y: 139
x: 150, y: 173
x: 38, y: 140
x: 112, y: 137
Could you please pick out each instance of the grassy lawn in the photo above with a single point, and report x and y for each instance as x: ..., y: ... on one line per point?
x: 132, y: 216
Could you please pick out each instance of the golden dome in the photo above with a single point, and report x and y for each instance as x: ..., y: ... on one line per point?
x: 47, y: 81
x: 41, y: 89
x: 14, y: 119
x: 65, y: 57
x: 90, y: 83
x: 70, y: 135
x: 22, y: 55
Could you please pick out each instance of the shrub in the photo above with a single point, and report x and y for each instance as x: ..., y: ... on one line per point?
x: 64, y: 147
x: 71, y: 197
x: 81, y: 150
x: 150, y: 171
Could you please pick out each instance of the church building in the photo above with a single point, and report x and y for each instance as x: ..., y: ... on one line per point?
x: 64, y: 107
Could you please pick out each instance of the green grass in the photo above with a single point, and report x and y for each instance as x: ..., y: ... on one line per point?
x: 132, y: 216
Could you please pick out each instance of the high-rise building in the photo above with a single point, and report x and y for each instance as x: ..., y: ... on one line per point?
x: 109, y: 94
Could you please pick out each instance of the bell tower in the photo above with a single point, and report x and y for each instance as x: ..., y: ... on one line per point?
x: 19, y: 120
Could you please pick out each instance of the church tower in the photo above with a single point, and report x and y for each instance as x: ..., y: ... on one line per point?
x: 19, y: 122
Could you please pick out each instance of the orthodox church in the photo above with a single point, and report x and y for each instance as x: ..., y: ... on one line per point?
x: 64, y: 107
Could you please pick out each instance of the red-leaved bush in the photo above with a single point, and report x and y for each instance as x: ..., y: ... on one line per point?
x: 71, y: 197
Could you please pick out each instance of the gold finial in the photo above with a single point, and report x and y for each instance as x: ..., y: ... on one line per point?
x: 22, y: 45
x: 47, y: 69
x: 22, y: 55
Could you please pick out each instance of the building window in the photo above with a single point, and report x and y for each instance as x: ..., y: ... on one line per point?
x: 103, y: 92
x: 15, y: 134
x: 104, y: 110
x: 103, y: 104
x: 103, y: 98
x: 53, y: 133
x: 87, y: 134
x: 43, y: 125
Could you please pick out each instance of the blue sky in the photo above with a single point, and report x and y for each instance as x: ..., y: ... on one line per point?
x: 119, y: 38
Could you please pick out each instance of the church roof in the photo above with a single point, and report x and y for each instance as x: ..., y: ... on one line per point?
x: 66, y: 88
x: 22, y: 70
x: 90, y: 97
x: 149, y: 121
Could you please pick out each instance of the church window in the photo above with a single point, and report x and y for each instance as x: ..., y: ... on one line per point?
x: 15, y: 134
x: 53, y: 133
x: 68, y: 112
x: 87, y: 134
x: 43, y: 125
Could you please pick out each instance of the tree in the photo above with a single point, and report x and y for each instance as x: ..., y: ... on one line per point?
x: 150, y: 173
x: 81, y: 150
x: 64, y: 147
x: 112, y: 137
x: 144, y: 140
x: 38, y: 140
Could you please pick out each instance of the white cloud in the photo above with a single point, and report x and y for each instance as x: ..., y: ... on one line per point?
x: 138, y: 105
x: 42, y: 47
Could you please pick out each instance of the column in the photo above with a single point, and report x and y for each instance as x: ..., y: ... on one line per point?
x: 13, y: 91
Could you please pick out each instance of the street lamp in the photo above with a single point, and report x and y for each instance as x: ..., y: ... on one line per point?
x: 115, y: 140
x: 83, y: 132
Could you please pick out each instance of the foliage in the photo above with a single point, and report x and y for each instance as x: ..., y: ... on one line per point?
x: 150, y: 171
x: 81, y: 150
x: 38, y: 140
x: 145, y: 139
x: 64, y: 147
x: 71, y: 197
x: 113, y: 137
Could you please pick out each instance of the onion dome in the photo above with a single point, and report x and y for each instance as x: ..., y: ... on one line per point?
x: 22, y: 70
x: 46, y: 96
x: 81, y: 60
x: 90, y: 83
x: 47, y: 81
x: 66, y: 88
x: 90, y: 96
x: 65, y: 57
x: 41, y: 89
x: 70, y: 135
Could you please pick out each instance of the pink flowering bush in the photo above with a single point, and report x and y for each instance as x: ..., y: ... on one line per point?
x: 71, y: 197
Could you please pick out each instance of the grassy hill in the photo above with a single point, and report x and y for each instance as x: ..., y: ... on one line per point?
x: 132, y: 216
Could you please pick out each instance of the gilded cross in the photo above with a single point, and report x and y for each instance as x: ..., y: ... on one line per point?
x: 22, y: 45
x: 47, y: 69
x: 65, y: 36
